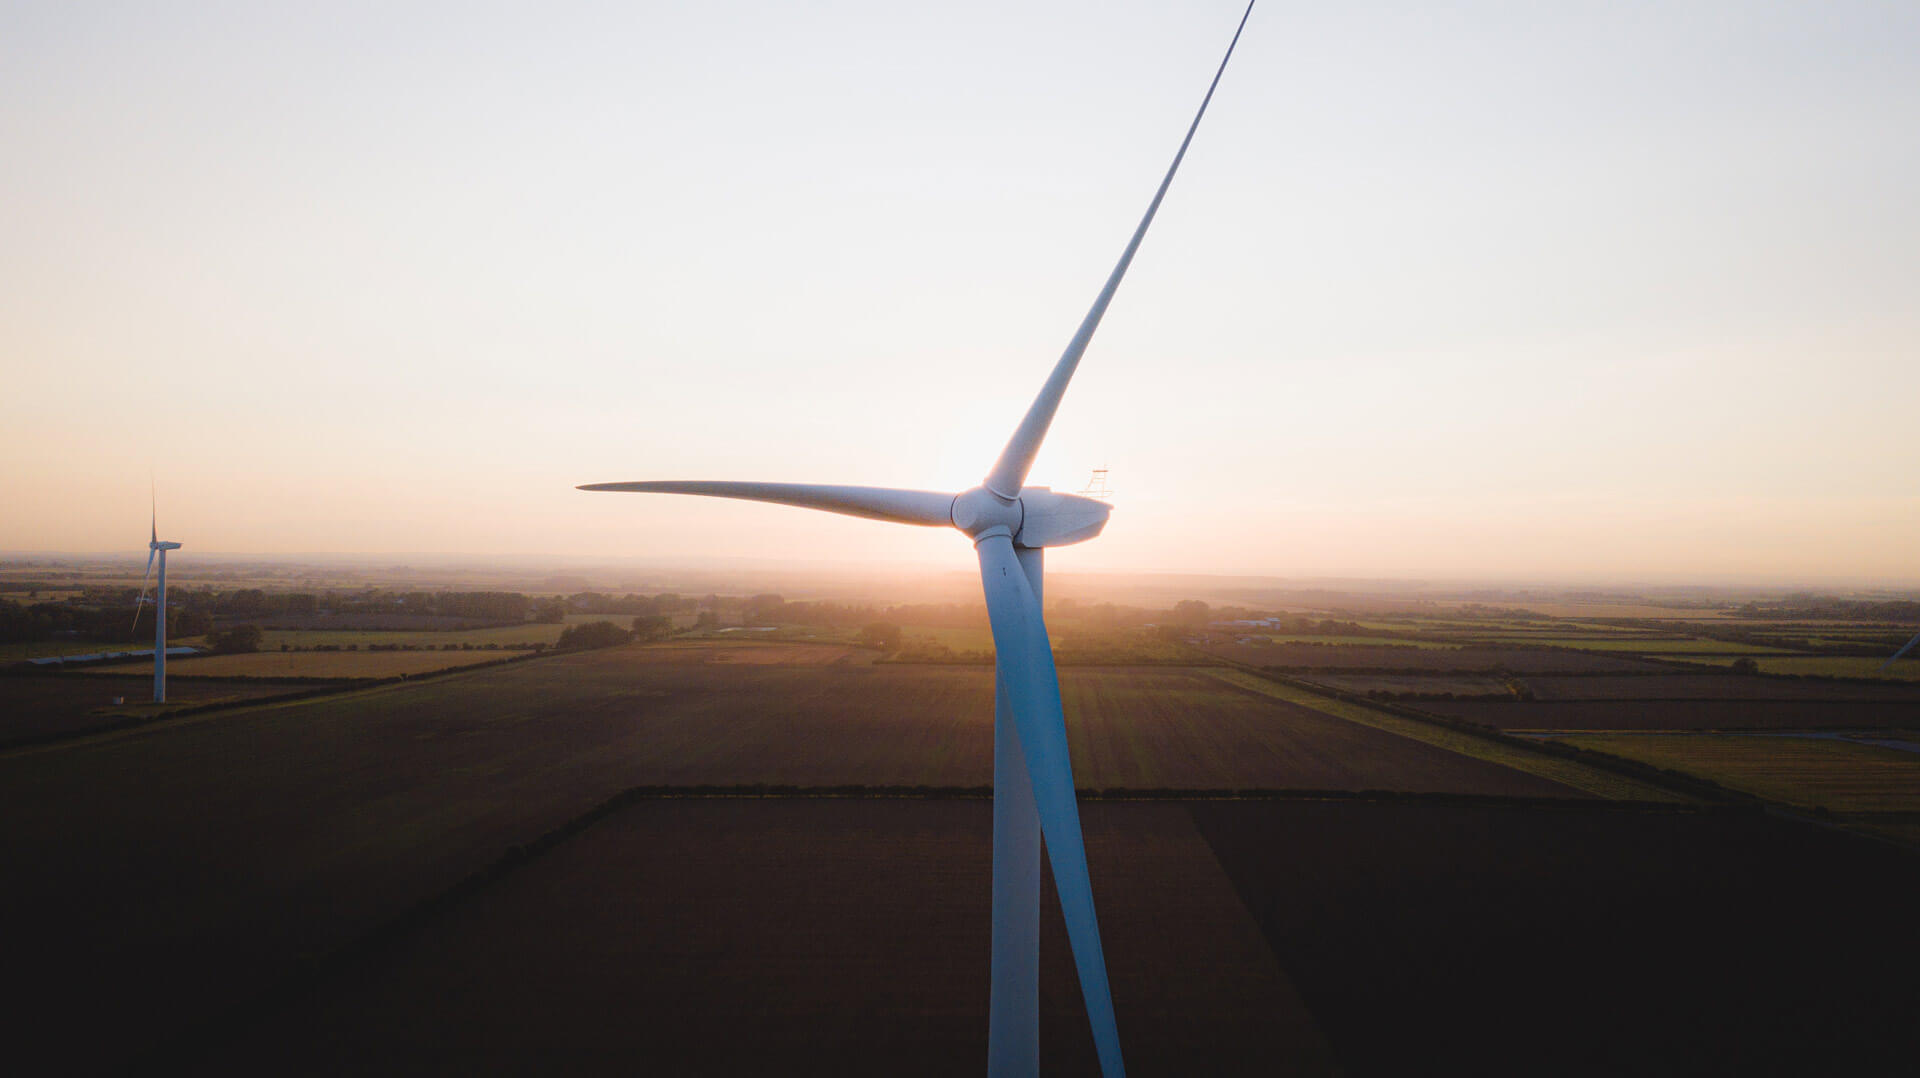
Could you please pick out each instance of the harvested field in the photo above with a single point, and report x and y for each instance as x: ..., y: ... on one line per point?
x: 38, y: 706
x: 1429, y: 660
x: 649, y: 937
x: 315, y: 664
x: 1241, y: 937
x: 1473, y: 940
x: 1812, y: 772
x: 1678, y: 714
x: 258, y: 835
x: 1684, y: 686
x: 1420, y: 684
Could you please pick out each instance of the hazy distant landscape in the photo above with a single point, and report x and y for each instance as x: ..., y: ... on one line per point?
x: 404, y: 786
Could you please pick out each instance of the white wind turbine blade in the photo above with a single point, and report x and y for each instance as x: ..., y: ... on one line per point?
x: 1902, y: 651
x: 1024, y: 666
x: 152, y: 550
x: 1016, y: 460
x: 923, y: 507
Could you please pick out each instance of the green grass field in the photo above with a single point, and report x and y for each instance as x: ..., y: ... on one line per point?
x: 1840, y: 776
x: 506, y: 635
x: 46, y: 648
x: 1641, y: 646
x: 1309, y: 638
x: 314, y: 664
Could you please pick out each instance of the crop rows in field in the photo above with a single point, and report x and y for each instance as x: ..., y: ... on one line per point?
x: 1812, y: 772
x: 1835, y: 666
x: 1419, y: 684
x: 1427, y: 660
x: 1684, y: 686
x: 1679, y: 714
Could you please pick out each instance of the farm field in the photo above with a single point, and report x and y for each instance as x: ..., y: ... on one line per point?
x: 1677, y: 714
x: 1368, y: 641
x: 1638, y: 611
x: 1837, y: 666
x: 1811, y: 772
x: 963, y: 639
x: 503, y: 635
x: 876, y: 963
x: 36, y: 706
x: 1457, y: 685
x: 1242, y: 938
x: 1706, y: 686
x: 41, y: 649
x: 1580, y: 777
x: 1647, y: 645
x: 257, y: 835
x: 1429, y: 660
x: 1607, y: 942
x: 312, y: 664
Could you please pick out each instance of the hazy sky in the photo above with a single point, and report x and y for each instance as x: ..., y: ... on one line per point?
x: 1586, y: 291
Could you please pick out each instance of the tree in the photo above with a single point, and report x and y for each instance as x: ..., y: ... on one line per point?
x: 881, y: 634
x: 1745, y: 665
x: 237, y: 639
x: 651, y: 627
x: 594, y: 634
x: 1191, y: 612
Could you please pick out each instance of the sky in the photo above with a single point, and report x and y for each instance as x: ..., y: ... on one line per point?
x: 1581, y: 291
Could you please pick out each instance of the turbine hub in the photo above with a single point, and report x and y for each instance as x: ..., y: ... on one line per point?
x: 980, y: 512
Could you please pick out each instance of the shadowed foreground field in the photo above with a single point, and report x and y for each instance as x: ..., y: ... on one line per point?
x: 726, y: 936
x: 175, y: 869
x: 36, y: 706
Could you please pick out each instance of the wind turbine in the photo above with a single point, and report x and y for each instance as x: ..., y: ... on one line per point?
x: 1011, y: 524
x: 156, y: 547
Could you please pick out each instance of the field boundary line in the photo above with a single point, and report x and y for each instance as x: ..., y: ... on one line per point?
x: 196, y: 714
x: 1519, y: 755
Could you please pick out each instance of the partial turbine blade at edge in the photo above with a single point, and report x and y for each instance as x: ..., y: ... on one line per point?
x: 924, y: 507
x: 1016, y: 460
x: 1902, y: 651
x: 1025, y: 667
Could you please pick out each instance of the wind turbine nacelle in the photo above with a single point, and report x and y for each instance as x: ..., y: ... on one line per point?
x: 1052, y: 519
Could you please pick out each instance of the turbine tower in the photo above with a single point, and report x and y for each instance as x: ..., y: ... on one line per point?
x: 1011, y: 524
x: 156, y: 547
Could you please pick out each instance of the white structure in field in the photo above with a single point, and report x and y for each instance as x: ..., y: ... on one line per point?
x: 1010, y: 524
x: 156, y: 548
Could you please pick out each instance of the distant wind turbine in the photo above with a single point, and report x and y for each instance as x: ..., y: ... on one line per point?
x: 156, y: 547
x: 1010, y: 525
